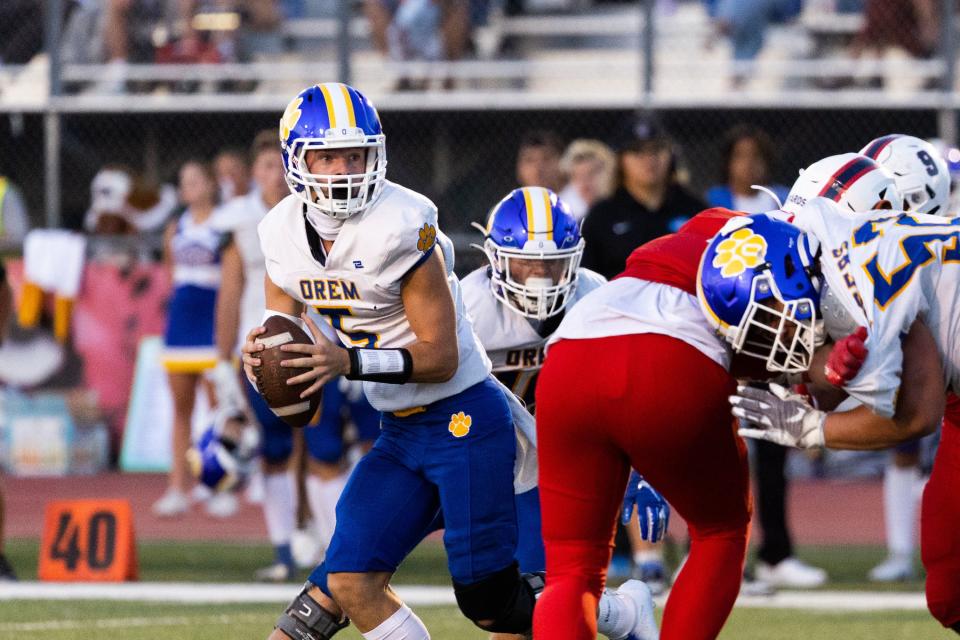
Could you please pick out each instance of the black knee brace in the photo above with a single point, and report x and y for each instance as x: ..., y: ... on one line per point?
x: 505, y: 598
x: 305, y: 619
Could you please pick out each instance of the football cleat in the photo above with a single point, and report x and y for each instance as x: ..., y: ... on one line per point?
x: 919, y: 171
x: 172, y: 503
x: 7, y: 574
x: 855, y: 182
x: 792, y: 573
x: 333, y: 115
x: 644, y: 622
x: 534, y: 247
x: 276, y: 572
x: 759, y: 286
x: 896, y: 568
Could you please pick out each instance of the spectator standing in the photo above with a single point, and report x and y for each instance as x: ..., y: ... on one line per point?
x: 193, y: 250
x: 748, y: 159
x: 538, y: 160
x: 232, y: 167
x: 648, y: 201
x: 589, y: 166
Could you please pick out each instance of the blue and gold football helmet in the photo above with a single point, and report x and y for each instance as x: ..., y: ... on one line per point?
x: 534, y: 247
x: 222, y: 458
x: 333, y: 116
x: 759, y: 286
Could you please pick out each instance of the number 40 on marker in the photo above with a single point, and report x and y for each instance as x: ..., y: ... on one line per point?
x: 85, y: 540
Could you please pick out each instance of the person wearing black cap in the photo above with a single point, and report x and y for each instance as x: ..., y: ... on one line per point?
x: 648, y: 201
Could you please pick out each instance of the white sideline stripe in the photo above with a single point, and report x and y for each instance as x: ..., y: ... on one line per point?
x: 414, y: 595
x: 192, y: 592
x: 127, y: 623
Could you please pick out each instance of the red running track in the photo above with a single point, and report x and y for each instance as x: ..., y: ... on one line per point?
x: 821, y: 511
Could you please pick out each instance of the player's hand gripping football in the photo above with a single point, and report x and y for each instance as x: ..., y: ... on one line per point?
x: 249, y: 352
x: 778, y: 415
x: 653, y: 512
x: 846, y: 358
x: 325, y: 359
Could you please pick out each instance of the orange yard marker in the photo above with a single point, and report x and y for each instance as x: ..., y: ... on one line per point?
x: 88, y: 540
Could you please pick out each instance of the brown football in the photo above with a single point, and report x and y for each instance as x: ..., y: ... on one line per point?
x: 283, y: 399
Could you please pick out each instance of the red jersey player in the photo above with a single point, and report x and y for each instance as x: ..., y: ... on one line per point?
x: 638, y: 374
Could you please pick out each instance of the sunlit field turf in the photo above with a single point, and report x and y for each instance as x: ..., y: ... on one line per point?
x: 216, y: 562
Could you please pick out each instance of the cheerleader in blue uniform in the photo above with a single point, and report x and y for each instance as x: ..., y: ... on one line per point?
x: 193, y: 246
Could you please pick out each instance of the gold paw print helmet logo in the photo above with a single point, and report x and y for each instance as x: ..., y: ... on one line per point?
x: 290, y: 118
x: 428, y: 236
x: 460, y: 424
x: 741, y: 251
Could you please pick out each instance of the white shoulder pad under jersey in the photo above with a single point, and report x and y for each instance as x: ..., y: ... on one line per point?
x: 514, y: 344
x: 885, y: 270
x: 357, y: 285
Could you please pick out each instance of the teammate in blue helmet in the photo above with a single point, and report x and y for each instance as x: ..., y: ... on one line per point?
x: 534, y: 247
x: 222, y: 458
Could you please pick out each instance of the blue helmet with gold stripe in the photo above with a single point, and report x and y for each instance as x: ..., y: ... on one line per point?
x: 333, y: 115
x: 223, y: 457
x: 534, y: 247
x: 759, y: 286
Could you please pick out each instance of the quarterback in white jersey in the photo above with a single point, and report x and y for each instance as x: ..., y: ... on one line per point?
x: 362, y: 252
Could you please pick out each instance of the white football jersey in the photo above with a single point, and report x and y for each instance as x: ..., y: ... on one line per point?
x: 884, y: 270
x: 512, y: 343
x: 241, y: 215
x: 356, y: 287
x: 628, y: 306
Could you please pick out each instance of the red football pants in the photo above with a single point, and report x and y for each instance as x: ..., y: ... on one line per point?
x: 940, y: 523
x: 659, y: 405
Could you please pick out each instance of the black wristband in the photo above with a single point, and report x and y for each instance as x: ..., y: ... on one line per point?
x: 391, y: 366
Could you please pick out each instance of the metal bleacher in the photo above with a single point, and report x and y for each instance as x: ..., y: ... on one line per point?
x: 588, y: 56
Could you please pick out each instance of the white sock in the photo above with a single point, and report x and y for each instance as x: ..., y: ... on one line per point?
x: 322, y: 496
x: 648, y: 555
x: 279, y: 512
x: 900, y: 508
x: 402, y: 625
x: 614, y: 616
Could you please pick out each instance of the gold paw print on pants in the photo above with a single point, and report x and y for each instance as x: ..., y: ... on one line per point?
x: 460, y: 424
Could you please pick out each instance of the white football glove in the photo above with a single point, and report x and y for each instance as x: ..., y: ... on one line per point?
x: 779, y: 416
x: 226, y: 384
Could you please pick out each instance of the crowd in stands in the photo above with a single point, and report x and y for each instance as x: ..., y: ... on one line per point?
x: 120, y: 33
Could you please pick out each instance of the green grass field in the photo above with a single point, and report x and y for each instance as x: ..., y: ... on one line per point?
x: 212, y: 562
